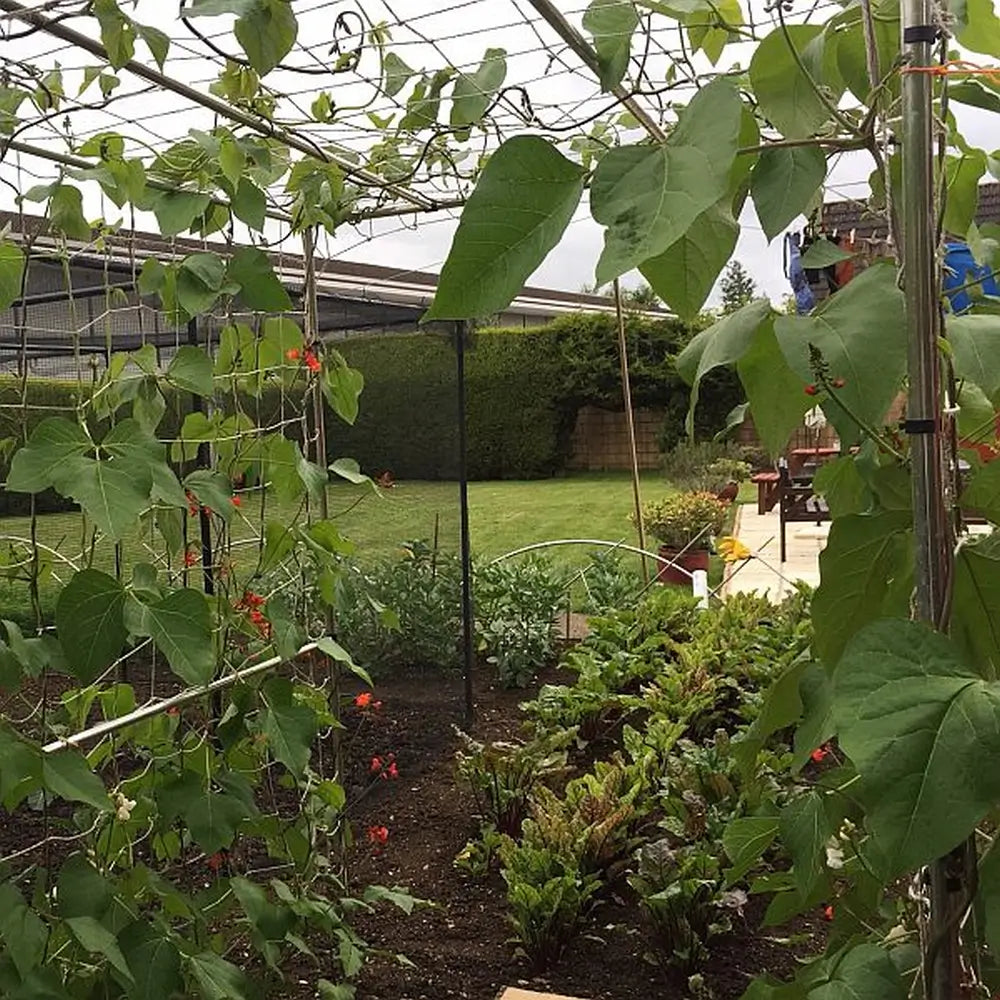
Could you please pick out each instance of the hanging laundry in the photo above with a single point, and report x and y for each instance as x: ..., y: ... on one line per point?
x: 796, y: 274
x: 963, y: 278
x: 822, y: 280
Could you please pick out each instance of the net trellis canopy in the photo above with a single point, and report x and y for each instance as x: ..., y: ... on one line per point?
x: 157, y: 100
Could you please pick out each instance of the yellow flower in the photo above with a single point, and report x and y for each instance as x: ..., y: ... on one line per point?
x: 732, y: 549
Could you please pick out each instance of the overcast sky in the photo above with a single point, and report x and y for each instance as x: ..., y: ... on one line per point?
x: 427, y: 34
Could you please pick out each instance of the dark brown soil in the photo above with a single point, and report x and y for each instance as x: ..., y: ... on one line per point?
x: 461, y: 946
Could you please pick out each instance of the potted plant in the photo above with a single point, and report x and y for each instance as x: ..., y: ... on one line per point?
x: 684, y: 524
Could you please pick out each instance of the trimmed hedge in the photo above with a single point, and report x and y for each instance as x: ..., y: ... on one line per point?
x: 409, y: 409
x: 524, y: 390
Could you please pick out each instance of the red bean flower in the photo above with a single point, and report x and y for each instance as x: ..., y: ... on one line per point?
x: 363, y: 700
x: 378, y: 835
x: 839, y: 383
x: 376, y: 765
x: 821, y: 753
x: 828, y: 912
x: 393, y: 771
x: 190, y: 558
x: 216, y: 861
x: 312, y: 362
x: 237, y: 501
x: 293, y: 354
x: 811, y: 390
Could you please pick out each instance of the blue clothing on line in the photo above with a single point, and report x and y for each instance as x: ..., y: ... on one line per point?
x: 796, y: 274
x: 960, y: 268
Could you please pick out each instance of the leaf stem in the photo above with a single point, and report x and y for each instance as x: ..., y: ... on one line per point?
x: 843, y: 143
x: 822, y: 376
x: 838, y: 115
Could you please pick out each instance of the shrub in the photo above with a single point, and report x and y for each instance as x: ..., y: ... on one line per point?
x: 409, y: 421
x: 403, y: 612
x: 524, y: 390
x: 705, y: 466
x: 516, y: 606
x: 517, y: 647
x: 723, y: 471
x: 608, y: 583
x: 719, y: 394
x: 685, y: 518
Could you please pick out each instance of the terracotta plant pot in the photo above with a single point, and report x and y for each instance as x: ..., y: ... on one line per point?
x: 692, y: 560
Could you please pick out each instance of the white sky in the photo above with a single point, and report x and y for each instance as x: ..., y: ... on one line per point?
x: 561, y: 91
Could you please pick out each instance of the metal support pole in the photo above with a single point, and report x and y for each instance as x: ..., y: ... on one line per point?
x: 942, y: 955
x: 468, y: 637
x: 630, y: 425
x: 204, y: 461
x: 176, y: 701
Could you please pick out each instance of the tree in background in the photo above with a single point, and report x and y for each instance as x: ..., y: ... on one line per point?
x: 641, y: 297
x: 737, y: 287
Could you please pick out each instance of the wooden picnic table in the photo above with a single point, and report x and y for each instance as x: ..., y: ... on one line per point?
x: 798, y: 461
x: 799, y: 458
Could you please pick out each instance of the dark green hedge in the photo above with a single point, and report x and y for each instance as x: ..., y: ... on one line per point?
x: 409, y: 418
x: 524, y: 390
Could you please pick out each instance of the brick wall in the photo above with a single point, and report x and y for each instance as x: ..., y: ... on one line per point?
x: 600, y: 440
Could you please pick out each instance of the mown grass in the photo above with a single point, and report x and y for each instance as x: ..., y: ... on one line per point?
x: 503, y: 516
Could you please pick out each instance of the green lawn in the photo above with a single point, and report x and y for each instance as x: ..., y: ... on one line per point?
x: 503, y: 516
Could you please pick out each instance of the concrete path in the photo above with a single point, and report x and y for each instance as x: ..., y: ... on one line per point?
x: 765, y: 573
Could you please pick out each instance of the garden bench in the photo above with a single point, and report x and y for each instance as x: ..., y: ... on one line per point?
x: 767, y: 490
x: 798, y: 503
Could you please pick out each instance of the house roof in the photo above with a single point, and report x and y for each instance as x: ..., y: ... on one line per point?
x: 341, y: 279
x: 868, y: 224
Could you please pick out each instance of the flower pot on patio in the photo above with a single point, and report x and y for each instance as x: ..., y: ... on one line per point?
x: 693, y: 559
x: 684, y: 522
